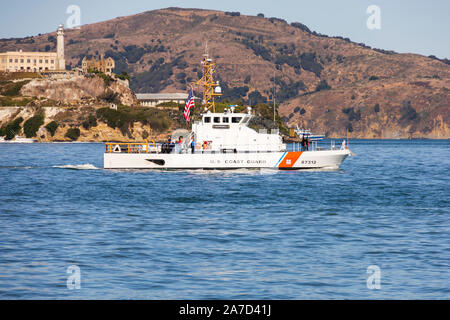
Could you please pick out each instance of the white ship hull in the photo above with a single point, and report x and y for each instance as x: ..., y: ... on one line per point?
x: 329, y: 159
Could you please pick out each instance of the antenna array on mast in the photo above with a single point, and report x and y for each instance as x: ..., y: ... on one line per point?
x: 211, y: 88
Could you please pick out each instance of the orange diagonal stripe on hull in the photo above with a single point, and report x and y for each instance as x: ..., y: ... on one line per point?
x: 290, y: 159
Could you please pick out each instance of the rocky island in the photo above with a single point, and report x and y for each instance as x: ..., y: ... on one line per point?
x: 330, y: 85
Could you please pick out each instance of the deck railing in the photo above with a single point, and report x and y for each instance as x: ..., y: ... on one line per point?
x: 184, y: 148
x: 143, y: 147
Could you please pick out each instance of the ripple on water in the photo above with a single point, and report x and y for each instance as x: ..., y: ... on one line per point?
x: 245, y: 234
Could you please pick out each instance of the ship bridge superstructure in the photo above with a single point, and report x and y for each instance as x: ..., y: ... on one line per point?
x: 230, y: 132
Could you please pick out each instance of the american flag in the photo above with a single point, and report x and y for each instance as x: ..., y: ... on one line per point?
x: 189, y: 104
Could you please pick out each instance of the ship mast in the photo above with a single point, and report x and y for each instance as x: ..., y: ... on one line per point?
x: 211, y: 88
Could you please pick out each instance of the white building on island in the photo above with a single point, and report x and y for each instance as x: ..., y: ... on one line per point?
x: 154, y: 99
x: 20, y: 61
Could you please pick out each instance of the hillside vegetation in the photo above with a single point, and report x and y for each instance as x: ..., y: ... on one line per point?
x: 328, y: 84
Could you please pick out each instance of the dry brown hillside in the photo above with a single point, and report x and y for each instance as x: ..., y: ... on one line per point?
x: 327, y: 84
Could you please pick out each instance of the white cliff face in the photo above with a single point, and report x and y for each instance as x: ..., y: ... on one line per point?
x: 126, y: 95
x: 10, y: 113
x: 76, y: 88
x: 66, y: 90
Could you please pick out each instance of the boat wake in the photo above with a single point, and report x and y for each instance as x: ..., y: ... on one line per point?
x: 78, y: 167
x: 232, y: 172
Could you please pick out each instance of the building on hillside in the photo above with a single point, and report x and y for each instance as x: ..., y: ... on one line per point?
x: 101, y: 65
x: 20, y: 61
x: 154, y: 99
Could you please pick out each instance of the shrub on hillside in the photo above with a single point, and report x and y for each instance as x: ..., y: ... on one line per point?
x: 13, y: 89
x: 302, y: 111
x: 273, y: 19
x: 258, y: 50
x: 11, y: 129
x: 287, y: 90
x: 290, y: 60
x: 352, y: 114
x: 133, y: 53
x: 32, y: 125
x: 323, y: 85
x: 155, y: 79
x: 123, y: 76
x: 376, y: 108
x: 255, y: 97
x: 159, y: 124
x: 90, y: 122
x: 73, y: 133
x: 109, y: 96
x: 51, y: 127
x: 9, y: 101
x: 233, y: 93
x: 300, y: 26
x: 408, y: 113
x: 349, y: 127
x: 309, y: 63
x: 124, y: 117
x: 233, y: 14
x: 113, y: 118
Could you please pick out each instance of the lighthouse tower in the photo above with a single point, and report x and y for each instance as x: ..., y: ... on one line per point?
x: 61, y: 62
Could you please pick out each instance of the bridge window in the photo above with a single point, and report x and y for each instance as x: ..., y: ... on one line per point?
x: 226, y: 120
x: 236, y: 119
x: 207, y: 120
x: 216, y: 119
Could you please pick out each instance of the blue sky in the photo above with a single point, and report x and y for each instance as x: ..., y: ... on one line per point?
x: 406, y: 26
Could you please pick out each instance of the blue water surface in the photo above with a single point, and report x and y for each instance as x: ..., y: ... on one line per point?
x: 245, y: 234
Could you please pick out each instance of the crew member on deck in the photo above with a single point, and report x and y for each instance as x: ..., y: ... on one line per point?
x: 178, y: 145
x: 171, y: 145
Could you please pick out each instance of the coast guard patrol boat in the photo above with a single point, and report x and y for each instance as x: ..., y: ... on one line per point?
x: 223, y: 141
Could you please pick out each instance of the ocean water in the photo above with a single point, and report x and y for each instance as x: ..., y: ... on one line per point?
x: 246, y: 234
